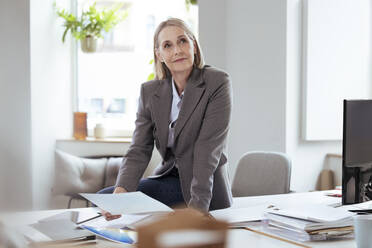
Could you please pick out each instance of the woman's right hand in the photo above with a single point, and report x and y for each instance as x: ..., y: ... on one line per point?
x: 108, y: 216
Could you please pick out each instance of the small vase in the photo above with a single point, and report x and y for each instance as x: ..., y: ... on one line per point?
x: 80, y: 125
x: 89, y: 44
x: 99, y: 131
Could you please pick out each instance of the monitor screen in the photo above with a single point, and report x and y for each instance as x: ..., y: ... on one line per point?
x: 357, y: 152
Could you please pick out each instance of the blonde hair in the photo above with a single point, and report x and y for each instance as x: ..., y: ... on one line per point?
x: 161, y: 70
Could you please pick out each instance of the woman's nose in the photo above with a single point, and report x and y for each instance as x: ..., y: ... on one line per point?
x: 177, y: 49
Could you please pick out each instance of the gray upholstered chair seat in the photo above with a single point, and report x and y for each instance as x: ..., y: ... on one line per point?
x: 262, y: 173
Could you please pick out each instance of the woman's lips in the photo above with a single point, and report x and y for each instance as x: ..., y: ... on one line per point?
x: 179, y: 60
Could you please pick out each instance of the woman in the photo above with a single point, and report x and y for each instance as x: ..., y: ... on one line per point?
x: 186, y: 111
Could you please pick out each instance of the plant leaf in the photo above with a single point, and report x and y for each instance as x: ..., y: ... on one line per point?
x: 151, y: 76
x: 64, y: 34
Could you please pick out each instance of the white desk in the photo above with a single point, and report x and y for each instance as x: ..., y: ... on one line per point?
x: 236, y: 238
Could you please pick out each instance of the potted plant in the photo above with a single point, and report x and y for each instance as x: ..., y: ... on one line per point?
x: 190, y: 2
x: 91, y: 24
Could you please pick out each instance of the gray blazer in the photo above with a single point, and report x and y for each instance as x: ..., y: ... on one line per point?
x: 199, y: 138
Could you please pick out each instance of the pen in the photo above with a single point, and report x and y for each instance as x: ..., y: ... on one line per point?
x: 334, y: 195
x: 92, y: 218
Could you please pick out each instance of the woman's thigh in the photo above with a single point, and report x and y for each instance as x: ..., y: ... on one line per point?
x: 165, y: 189
x: 108, y: 190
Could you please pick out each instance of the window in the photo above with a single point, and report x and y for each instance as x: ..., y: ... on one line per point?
x: 108, y: 81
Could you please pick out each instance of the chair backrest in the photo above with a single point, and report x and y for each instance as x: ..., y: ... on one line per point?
x: 262, y: 173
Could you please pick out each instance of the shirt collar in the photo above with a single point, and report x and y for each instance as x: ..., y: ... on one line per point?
x: 175, y: 93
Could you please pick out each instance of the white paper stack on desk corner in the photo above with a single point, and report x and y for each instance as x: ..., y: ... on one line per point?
x: 57, y: 228
x: 310, y: 222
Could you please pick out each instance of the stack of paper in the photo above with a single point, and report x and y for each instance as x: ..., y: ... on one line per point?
x: 57, y: 228
x: 310, y: 222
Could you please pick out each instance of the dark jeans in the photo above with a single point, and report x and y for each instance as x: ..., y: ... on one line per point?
x: 166, y: 189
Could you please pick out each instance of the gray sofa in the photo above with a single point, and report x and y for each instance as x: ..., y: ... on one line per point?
x: 75, y: 175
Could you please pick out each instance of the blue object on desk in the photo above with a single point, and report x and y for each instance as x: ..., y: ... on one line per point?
x: 118, y: 235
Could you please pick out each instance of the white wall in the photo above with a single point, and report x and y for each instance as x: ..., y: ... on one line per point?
x: 212, y: 31
x: 51, y: 95
x: 263, y: 55
x: 15, y: 99
x: 254, y: 40
x: 255, y: 56
x: 35, y: 101
x: 308, y: 158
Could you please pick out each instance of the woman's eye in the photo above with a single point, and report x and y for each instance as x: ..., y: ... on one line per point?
x: 166, y: 45
x: 183, y: 40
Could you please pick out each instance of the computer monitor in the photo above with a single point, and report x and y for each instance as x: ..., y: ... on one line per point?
x: 357, y: 152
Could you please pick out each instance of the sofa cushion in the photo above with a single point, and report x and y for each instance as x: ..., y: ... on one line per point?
x: 112, y: 170
x: 78, y: 175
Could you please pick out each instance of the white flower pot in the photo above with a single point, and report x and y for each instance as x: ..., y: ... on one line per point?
x: 89, y: 44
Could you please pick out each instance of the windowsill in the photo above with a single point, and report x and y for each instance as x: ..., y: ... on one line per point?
x: 104, y: 140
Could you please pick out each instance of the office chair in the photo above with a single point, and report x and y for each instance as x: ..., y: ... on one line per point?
x: 262, y: 173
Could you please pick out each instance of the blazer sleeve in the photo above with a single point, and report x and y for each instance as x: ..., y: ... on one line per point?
x: 210, y: 144
x: 137, y: 158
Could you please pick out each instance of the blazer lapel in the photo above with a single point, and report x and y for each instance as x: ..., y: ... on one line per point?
x: 162, y: 102
x: 193, y: 92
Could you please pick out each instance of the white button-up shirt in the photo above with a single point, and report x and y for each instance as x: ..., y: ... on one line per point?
x: 176, y: 106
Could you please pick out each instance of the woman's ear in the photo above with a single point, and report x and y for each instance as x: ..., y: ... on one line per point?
x: 158, y: 56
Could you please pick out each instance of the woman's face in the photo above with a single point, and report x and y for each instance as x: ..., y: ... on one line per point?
x: 176, y: 49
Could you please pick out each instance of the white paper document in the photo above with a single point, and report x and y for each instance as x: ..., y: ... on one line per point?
x: 240, y: 215
x: 127, y: 203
